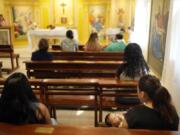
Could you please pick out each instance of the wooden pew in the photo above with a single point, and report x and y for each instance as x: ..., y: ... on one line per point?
x: 8, y: 52
x: 0, y: 69
x: 58, y: 47
x: 40, y: 129
x: 72, y: 69
x: 75, y: 93
x: 71, y: 93
x: 81, y: 55
x: 105, y: 88
x: 112, y: 88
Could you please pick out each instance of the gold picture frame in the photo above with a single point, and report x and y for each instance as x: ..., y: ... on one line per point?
x: 5, y: 36
x: 157, y: 36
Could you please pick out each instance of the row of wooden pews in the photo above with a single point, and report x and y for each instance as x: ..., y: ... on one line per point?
x: 82, y: 80
x: 37, y: 129
x: 82, y: 94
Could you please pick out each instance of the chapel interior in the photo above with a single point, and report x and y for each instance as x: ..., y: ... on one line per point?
x: 137, y: 20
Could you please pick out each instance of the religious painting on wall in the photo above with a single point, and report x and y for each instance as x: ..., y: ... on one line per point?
x: 22, y: 20
x: 64, y: 10
x: 157, y: 36
x: 5, y: 36
x: 97, y: 19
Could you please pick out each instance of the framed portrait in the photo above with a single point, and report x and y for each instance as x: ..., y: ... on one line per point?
x: 157, y: 35
x: 22, y: 20
x: 5, y: 36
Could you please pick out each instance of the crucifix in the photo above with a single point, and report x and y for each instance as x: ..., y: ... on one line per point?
x: 63, y: 7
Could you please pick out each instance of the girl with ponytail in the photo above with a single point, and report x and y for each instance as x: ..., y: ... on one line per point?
x: 156, y: 112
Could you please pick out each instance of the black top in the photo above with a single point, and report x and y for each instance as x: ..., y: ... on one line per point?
x: 41, y: 55
x: 142, y: 117
x: 21, y: 114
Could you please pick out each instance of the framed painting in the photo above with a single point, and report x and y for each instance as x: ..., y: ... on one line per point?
x: 97, y: 19
x: 157, y: 35
x: 22, y: 20
x: 5, y: 36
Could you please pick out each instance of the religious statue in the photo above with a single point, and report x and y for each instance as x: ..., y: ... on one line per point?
x: 120, y: 14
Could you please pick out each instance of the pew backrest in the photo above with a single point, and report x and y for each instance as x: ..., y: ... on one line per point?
x: 70, y: 69
x: 82, y: 55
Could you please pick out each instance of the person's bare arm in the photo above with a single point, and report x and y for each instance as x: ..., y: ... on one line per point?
x: 123, y: 123
x: 45, y: 113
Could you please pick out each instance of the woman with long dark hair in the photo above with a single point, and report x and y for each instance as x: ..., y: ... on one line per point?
x: 135, y: 66
x: 156, y: 112
x: 133, y: 69
x: 18, y: 103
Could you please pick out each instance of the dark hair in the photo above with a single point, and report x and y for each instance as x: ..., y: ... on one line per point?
x: 119, y: 36
x: 122, y: 30
x: 69, y: 34
x: 16, y: 100
x: 107, y: 120
x: 43, y: 44
x: 135, y: 64
x: 159, y: 95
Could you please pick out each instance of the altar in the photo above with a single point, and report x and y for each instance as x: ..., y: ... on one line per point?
x: 111, y: 33
x: 58, y: 33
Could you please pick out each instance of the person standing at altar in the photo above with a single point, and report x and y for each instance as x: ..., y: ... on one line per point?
x: 69, y: 44
x: 42, y: 53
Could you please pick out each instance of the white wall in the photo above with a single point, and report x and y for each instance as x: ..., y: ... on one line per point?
x: 171, y: 70
x: 141, y: 28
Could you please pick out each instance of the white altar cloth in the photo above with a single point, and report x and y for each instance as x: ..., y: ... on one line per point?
x: 58, y: 33
x: 111, y: 33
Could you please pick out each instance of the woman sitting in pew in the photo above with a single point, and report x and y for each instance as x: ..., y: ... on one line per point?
x: 135, y: 65
x: 134, y: 68
x: 19, y: 105
x: 93, y: 43
x: 42, y: 54
x: 69, y: 44
x: 156, y: 112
